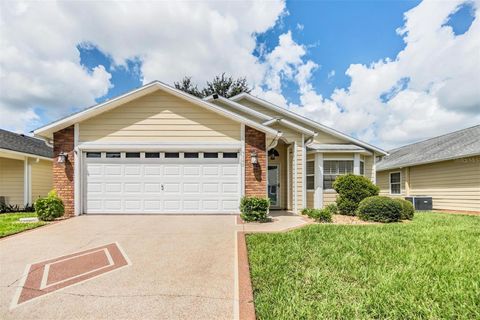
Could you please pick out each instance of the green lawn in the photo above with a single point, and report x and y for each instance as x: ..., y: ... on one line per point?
x: 425, y: 269
x: 9, y: 223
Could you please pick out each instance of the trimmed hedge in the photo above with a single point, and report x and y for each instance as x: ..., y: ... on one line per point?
x: 380, y: 209
x: 352, y: 189
x: 50, y: 207
x: 407, y: 209
x: 254, y: 208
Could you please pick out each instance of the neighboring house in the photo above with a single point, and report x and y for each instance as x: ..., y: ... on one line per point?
x: 25, y: 168
x: 160, y: 150
x: 446, y: 167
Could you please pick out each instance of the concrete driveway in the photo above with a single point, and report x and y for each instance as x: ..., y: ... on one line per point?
x: 182, y: 267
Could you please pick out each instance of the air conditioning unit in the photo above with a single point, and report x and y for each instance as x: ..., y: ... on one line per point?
x: 421, y: 203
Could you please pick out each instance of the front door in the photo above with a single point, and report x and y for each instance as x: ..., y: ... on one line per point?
x: 274, y: 185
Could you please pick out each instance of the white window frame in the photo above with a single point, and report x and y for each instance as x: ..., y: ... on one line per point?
x: 390, y: 183
x: 310, y: 175
x: 362, y: 162
x: 329, y: 174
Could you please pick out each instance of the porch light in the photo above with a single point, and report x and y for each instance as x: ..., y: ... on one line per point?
x: 272, y: 153
x: 254, y: 157
x: 62, y: 157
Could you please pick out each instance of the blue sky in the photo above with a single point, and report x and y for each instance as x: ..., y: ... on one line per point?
x: 366, y: 68
x: 337, y: 34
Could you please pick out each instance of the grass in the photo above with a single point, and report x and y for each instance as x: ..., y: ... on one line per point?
x: 428, y: 268
x: 9, y: 223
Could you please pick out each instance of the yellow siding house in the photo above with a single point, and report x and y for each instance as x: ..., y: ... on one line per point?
x: 25, y: 168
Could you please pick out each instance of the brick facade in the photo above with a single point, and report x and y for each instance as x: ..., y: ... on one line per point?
x: 255, y: 174
x: 63, y: 141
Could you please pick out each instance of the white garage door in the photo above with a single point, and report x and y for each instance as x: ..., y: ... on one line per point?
x: 153, y: 182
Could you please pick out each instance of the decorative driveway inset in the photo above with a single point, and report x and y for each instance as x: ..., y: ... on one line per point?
x: 55, y: 274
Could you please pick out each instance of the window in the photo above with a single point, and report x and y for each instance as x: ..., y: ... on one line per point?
x: 150, y: 155
x: 362, y: 168
x: 113, y: 154
x: 334, y: 168
x: 172, y: 155
x: 395, y: 183
x: 132, y: 155
x: 210, y: 155
x: 229, y: 155
x: 94, y: 154
x: 310, y: 175
x: 190, y: 155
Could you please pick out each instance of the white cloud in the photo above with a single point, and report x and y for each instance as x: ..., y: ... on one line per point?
x: 331, y: 74
x: 40, y: 64
x: 430, y: 88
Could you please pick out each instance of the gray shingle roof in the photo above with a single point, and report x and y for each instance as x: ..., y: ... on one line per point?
x: 21, y: 143
x: 453, y: 145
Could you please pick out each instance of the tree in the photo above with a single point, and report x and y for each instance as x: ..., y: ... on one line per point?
x: 187, y: 86
x: 222, y: 85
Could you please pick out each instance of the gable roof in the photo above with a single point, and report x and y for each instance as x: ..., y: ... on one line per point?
x: 47, y: 130
x: 305, y: 120
x: 454, y: 145
x: 24, y: 144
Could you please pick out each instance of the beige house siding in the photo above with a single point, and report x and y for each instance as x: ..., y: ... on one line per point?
x: 42, y: 178
x: 329, y: 197
x: 159, y: 116
x: 11, y: 180
x: 383, y: 182
x: 453, y: 184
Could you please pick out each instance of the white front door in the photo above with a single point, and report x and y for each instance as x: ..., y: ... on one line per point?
x: 138, y: 183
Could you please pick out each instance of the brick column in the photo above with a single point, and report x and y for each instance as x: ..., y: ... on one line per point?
x: 63, y: 141
x: 255, y: 174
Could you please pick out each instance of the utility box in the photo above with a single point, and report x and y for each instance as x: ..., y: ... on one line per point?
x: 421, y: 203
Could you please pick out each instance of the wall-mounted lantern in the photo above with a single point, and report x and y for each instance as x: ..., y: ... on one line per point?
x: 254, y: 157
x: 62, y: 157
x: 272, y: 154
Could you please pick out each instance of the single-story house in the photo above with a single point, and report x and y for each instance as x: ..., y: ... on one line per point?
x: 157, y: 149
x: 25, y: 168
x: 447, y: 168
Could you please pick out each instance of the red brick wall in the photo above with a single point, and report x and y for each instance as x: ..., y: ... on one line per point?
x: 63, y: 141
x: 255, y: 174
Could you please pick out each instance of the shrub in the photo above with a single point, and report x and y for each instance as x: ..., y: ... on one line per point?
x: 332, y: 207
x: 407, y: 209
x: 379, y: 209
x: 254, y: 208
x: 352, y: 189
x: 320, y: 215
x: 49, y: 207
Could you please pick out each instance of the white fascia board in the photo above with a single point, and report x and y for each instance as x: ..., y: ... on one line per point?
x: 18, y: 154
x: 240, y: 107
x: 160, y: 146
x: 293, y: 126
x: 149, y: 88
x: 300, y: 118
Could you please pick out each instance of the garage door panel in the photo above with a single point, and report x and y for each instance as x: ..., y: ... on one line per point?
x: 152, y: 171
x: 113, y: 187
x: 133, y: 170
x: 112, y: 170
x: 156, y: 186
x: 170, y: 171
x: 191, y: 188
